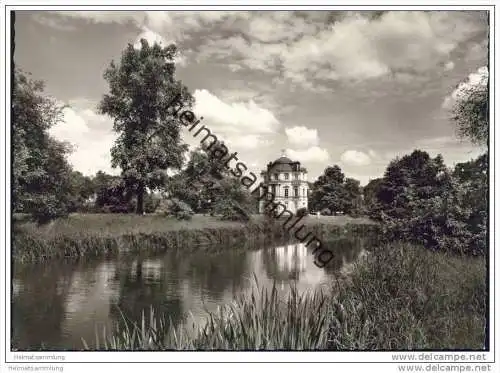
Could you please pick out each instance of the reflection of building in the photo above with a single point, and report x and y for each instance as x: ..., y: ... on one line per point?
x: 287, y: 181
x: 291, y: 257
x: 148, y: 270
x: 285, y: 263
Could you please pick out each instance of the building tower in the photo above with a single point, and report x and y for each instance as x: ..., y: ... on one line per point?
x: 287, y: 181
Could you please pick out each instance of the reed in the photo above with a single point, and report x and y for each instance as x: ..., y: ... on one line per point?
x: 404, y: 297
x: 262, y: 320
x: 64, y: 240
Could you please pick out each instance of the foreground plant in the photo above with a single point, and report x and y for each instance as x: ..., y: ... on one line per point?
x: 262, y: 320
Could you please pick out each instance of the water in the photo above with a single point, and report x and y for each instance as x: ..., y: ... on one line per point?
x: 55, y: 305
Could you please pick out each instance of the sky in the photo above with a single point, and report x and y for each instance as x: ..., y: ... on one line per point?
x: 356, y: 89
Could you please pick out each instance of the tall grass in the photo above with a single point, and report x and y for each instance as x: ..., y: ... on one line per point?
x: 78, y: 236
x: 403, y: 297
x: 262, y: 320
x: 400, y: 297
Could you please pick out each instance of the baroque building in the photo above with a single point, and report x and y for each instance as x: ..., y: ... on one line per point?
x: 287, y: 181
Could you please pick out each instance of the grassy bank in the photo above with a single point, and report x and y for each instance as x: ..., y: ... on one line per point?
x: 401, y: 297
x: 96, y: 235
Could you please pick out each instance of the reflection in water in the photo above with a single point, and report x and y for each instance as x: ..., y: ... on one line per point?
x: 59, y: 303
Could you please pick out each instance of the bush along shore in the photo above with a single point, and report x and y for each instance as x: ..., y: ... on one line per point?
x: 401, y: 297
x: 29, y: 244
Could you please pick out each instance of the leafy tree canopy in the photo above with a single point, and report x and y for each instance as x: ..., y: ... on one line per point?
x: 141, y: 88
x: 41, y: 173
x: 471, y: 112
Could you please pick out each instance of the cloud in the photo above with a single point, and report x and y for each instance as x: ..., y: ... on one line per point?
x: 175, y: 25
x: 237, y: 117
x: 153, y: 37
x: 312, y: 154
x: 478, y: 78
x: 71, y: 128
x: 91, y: 137
x: 357, y: 46
x: 361, y: 48
x: 104, y: 16
x: 56, y: 23
x: 302, y: 136
x: 246, y: 142
x: 355, y: 158
x: 450, y: 65
x: 304, y: 47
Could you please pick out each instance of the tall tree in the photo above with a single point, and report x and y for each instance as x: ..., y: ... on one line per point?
x: 41, y: 173
x: 328, y: 190
x: 141, y: 87
x: 353, y: 200
x: 411, y: 177
x: 471, y: 112
x: 370, y: 201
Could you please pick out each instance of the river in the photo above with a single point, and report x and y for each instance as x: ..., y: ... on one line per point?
x: 56, y: 304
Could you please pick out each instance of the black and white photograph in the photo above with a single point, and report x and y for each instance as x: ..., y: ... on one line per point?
x: 315, y: 181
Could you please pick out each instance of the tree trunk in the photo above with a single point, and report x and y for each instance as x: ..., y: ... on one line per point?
x: 140, y: 199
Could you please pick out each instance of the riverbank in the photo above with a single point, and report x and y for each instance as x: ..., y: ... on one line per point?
x: 94, y: 235
x: 401, y: 297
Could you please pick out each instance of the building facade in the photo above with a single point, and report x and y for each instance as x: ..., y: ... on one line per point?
x: 287, y: 181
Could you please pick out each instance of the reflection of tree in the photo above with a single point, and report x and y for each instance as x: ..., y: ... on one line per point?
x: 38, y: 311
x: 345, y: 250
x: 219, y: 272
x: 139, y: 292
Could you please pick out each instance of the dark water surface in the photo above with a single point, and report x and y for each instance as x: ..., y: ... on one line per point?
x: 56, y: 304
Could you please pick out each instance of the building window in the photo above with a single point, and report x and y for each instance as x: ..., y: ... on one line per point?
x: 296, y: 176
x: 275, y: 176
x: 286, y: 176
x: 286, y: 192
x: 295, y: 191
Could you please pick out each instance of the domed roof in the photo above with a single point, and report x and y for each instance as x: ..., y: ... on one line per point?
x: 283, y: 160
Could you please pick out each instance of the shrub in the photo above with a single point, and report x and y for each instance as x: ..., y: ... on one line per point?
x: 175, y: 207
x: 302, y: 212
x: 327, y: 212
x: 151, y: 203
x: 184, y: 215
x: 45, y: 209
x: 230, y: 210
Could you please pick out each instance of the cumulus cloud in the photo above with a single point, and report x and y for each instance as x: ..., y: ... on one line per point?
x: 312, y: 154
x: 237, y: 117
x: 477, y: 78
x: 153, y: 37
x: 357, y: 46
x: 71, y: 128
x: 302, y: 136
x: 91, y: 138
x: 308, y: 46
x: 361, y: 48
x: 355, y: 158
x: 242, y: 124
